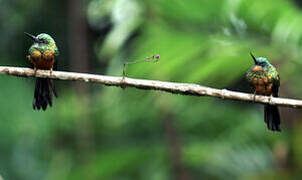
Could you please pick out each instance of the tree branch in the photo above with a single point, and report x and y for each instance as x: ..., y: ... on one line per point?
x: 176, y: 88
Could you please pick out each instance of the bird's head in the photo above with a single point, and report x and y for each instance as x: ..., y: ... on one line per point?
x: 260, y: 61
x: 43, y: 42
x: 42, y: 38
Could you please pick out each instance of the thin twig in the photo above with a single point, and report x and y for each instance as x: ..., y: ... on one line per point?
x: 176, y: 88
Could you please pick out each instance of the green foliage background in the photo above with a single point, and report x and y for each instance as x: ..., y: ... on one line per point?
x: 110, y: 133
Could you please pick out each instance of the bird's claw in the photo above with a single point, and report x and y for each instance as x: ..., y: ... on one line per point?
x: 270, y: 100
x: 35, y: 71
x: 50, y: 72
x: 254, y: 97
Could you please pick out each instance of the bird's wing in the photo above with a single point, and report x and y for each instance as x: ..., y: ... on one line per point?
x: 276, y: 84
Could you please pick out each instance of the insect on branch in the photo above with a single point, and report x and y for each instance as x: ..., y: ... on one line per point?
x: 153, y: 58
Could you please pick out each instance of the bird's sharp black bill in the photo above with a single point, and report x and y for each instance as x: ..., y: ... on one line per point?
x: 32, y: 37
x: 255, y: 60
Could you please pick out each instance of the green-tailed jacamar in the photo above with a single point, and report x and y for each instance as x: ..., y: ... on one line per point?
x: 264, y: 80
x: 42, y: 54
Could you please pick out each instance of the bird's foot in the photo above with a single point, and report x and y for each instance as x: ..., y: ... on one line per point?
x: 50, y: 72
x: 270, y: 100
x: 254, y: 97
x: 35, y: 71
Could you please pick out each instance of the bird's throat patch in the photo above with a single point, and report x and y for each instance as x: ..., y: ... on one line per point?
x: 257, y: 68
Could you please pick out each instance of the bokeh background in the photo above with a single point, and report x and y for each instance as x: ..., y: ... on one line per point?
x: 99, y: 132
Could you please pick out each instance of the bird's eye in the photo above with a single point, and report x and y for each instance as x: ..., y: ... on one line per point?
x: 44, y: 41
x: 262, y: 64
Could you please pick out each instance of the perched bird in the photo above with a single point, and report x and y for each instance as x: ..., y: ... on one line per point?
x: 264, y: 80
x: 42, y: 54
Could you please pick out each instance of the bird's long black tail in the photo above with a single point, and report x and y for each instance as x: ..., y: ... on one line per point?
x: 43, y: 93
x: 272, y: 117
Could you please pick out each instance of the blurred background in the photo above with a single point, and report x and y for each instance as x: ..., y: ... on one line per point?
x: 98, y: 132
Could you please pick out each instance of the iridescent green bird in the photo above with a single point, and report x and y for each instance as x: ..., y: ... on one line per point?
x: 264, y: 80
x: 42, y: 54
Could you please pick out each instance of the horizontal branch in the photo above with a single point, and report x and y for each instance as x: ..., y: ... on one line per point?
x: 177, y: 88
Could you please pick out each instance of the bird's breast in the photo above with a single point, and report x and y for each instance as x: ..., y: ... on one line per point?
x: 261, y: 84
x: 48, y: 54
x: 264, y: 89
x: 42, y: 59
x: 44, y: 64
x: 36, y: 54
